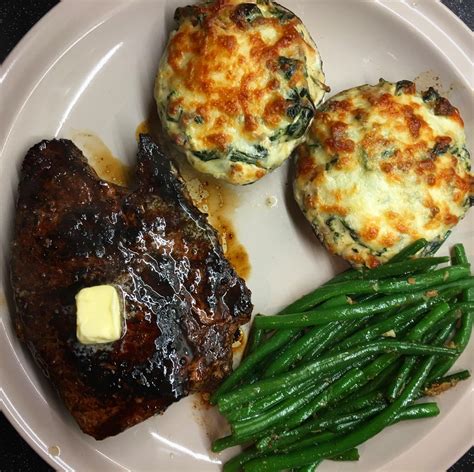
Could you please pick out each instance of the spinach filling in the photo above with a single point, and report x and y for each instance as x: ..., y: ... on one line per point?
x: 173, y: 117
x: 364, y: 158
x: 388, y: 153
x: 191, y: 12
x: 301, y: 110
x: 282, y: 13
x: 288, y: 66
x: 199, y: 119
x: 332, y: 162
x: 339, y: 226
x: 463, y: 155
x: 253, y: 156
x: 207, y: 155
x: 250, y: 157
x: 247, y: 12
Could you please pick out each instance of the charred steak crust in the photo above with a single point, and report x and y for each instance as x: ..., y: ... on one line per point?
x: 182, y: 299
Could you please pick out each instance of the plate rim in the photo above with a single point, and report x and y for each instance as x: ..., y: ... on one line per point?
x: 21, y: 52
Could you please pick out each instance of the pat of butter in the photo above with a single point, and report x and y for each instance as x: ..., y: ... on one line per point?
x: 98, y: 315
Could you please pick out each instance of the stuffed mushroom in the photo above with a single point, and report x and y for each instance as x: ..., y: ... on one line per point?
x: 383, y: 165
x: 237, y: 87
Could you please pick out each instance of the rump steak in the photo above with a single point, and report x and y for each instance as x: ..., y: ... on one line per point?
x: 183, y: 302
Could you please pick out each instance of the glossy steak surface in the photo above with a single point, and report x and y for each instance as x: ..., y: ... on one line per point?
x: 182, y: 301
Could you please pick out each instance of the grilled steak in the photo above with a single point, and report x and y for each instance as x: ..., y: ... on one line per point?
x: 182, y: 300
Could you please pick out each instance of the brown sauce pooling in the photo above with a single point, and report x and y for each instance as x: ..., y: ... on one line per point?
x: 107, y: 166
x: 218, y: 199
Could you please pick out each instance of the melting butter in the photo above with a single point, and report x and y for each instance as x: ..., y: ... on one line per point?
x: 98, y: 315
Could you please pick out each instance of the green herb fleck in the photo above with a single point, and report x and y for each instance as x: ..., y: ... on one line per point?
x: 288, y: 66
x: 300, y: 125
x: 250, y: 157
x: 332, y: 162
x: 207, y: 155
x: 388, y: 153
x: 281, y: 13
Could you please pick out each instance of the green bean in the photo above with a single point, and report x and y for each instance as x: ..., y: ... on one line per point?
x: 224, y: 443
x: 310, y: 467
x: 403, y: 255
x: 314, y: 340
x: 346, y: 329
x: 233, y: 440
x: 255, y: 339
x: 392, y: 269
x: 338, y: 300
x: 459, y: 255
x: 401, y: 378
x: 409, y: 362
x: 441, y: 384
x: 350, y: 455
x: 316, y: 425
x: 423, y: 410
x: 355, y: 416
x: 460, y: 341
x: 321, y: 393
x: 235, y: 464
x: 278, y: 340
x: 410, y: 250
x: 453, y: 317
x: 402, y: 284
x: 312, y: 440
x: 427, y: 322
x: 462, y: 336
x: 413, y: 412
x: 315, y: 317
x: 322, y: 367
x: 353, y: 439
x: 392, y: 323
x: 416, y: 334
x: 344, y: 407
x: 256, y: 407
x: 250, y: 362
x: 468, y: 294
x: 351, y: 382
x: 371, y: 387
x: 359, y: 402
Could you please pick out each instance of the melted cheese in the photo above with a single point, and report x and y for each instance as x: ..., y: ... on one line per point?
x: 383, y: 166
x: 237, y: 86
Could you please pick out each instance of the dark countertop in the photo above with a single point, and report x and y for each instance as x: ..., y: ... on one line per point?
x: 16, y: 18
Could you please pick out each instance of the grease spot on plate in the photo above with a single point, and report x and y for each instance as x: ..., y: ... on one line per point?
x: 54, y: 451
x: 271, y: 201
x: 99, y: 156
x: 429, y: 78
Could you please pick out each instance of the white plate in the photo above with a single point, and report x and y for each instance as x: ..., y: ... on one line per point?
x: 91, y: 65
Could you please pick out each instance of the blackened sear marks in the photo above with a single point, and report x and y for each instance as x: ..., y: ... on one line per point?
x: 182, y: 299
